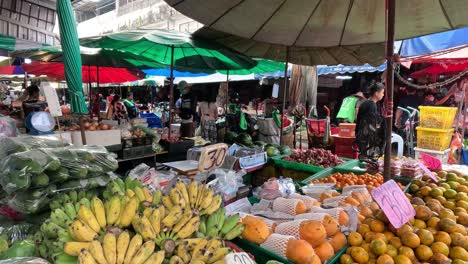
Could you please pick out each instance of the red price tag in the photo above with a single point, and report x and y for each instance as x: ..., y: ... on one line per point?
x: 431, y: 162
x: 428, y: 172
x: 212, y: 157
x: 394, y: 203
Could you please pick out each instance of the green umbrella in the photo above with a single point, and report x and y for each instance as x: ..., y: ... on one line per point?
x: 90, y: 57
x: 189, y: 52
x: 263, y: 66
x: 71, y: 56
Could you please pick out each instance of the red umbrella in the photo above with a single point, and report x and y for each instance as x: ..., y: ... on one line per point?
x: 55, y: 70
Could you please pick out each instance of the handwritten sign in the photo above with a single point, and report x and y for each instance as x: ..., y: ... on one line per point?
x: 431, y: 162
x: 394, y: 203
x: 428, y: 172
x: 212, y: 157
x: 52, y: 99
x: 238, y: 258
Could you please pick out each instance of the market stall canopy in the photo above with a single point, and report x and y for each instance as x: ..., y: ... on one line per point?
x: 320, y: 32
x: 348, y: 55
x: 263, y: 66
x: 342, y: 69
x: 11, y: 70
x: 190, y: 54
x: 442, y: 68
x: 443, y: 42
x: 9, y: 43
x: 56, y: 70
x: 216, y: 77
x: 90, y: 56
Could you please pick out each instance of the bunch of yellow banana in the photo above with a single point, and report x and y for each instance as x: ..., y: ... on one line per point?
x: 201, y: 199
x: 116, y: 250
x: 199, y: 251
x: 144, y: 195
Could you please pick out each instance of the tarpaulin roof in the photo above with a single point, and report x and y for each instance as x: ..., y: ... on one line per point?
x: 11, y: 70
x: 434, y: 42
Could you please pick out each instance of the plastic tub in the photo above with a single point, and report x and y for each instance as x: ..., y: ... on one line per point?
x: 434, y: 139
x: 437, y: 116
x: 441, y: 155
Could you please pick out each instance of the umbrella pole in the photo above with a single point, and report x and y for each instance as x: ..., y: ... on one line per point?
x: 171, y: 92
x: 390, y: 28
x: 227, y: 101
x: 284, y: 94
x: 463, y: 108
x: 90, y: 90
x: 97, y: 83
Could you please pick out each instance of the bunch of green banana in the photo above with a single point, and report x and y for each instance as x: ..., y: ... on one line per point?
x: 220, y: 225
x: 116, y: 249
x: 200, y: 250
x: 72, y: 197
x: 199, y: 198
x: 120, y: 187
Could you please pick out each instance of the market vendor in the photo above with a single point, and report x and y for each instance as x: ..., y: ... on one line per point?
x: 187, y: 110
x: 32, y: 103
x: 350, y: 107
x: 131, y: 106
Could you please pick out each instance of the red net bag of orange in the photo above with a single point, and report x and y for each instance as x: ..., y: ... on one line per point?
x: 296, y: 250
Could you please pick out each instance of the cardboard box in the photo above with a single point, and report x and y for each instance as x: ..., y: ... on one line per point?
x: 101, y: 137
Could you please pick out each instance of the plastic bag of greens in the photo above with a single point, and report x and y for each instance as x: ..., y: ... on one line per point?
x: 26, y: 261
x: 16, y: 232
x: 95, y: 182
x: 17, y: 170
x: 10, y: 146
x: 30, y: 202
x: 23, y: 248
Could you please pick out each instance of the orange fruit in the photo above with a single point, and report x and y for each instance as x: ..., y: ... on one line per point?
x: 388, y: 235
x: 360, y: 255
x: 363, y: 229
x: 425, y: 237
x: 378, y: 247
x: 406, y: 251
x: 440, y: 247
x: 338, y: 241
x: 396, y: 242
x: 402, y: 259
x: 385, y: 259
x: 355, y: 239
x: 346, y: 259
x: 458, y: 253
x: 443, y: 237
x: 423, y: 253
x: 377, y: 226
x: 410, y: 239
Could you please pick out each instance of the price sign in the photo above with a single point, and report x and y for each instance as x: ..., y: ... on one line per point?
x: 431, y: 162
x: 394, y: 203
x: 52, y: 99
x: 428, y: 172
x: 238, y: 258
x: 212, y: 157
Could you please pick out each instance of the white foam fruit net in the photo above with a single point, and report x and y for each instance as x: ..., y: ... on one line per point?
x: 287, y: 206
x: 311, y: 216
x: 277, y: 244
x: 291, y: 228
x: 333, y: 212
x: 334, y: 201
x: 309, y: 201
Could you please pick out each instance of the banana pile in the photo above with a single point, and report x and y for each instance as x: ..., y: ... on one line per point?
x: 135, y: 225
x: 220, y: 225
x: 116, y: 249
x: 200, y: 251
x: 73, y: 197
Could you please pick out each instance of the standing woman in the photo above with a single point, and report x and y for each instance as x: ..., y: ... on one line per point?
x: 116, y: 109
x: 208, y: 111
x: 370, y: 132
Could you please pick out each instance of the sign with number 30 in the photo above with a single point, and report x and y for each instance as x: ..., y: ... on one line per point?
x: 394, y: 203
x: 212, y: 157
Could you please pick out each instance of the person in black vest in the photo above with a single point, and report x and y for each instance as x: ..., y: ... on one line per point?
x: 187, y: 110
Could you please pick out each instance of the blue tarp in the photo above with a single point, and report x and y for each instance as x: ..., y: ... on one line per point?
x: 167, y: 73
x: 342, y: 69
x: 434, y: 42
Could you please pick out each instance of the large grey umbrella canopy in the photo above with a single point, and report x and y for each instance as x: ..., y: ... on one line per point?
x: 373, y: 54
x: 323, y: 23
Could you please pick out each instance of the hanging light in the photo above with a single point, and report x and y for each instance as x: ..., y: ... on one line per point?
x: 343, y: 77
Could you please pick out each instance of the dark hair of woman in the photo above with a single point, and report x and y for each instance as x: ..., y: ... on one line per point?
x: 115, y: 99
x: 375, y: 88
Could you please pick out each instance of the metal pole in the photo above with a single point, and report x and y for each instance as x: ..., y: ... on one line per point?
x: 171, y: 92
x: 227, y: 101
x: 390, y: 29
x: 463, y: 108
x: 283, y: 110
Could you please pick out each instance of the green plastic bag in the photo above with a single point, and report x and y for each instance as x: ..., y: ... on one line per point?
x: 24, y: 248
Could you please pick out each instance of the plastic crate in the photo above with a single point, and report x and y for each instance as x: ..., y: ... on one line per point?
x: 152, y: 120
x: 354, y: 166
x: 279, y: 162
x: 437, y: 117
x: 443, y: 156
x: 434, y: 139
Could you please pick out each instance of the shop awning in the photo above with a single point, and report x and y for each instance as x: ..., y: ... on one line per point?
x: 11, y: 70
x: 342, y: 69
